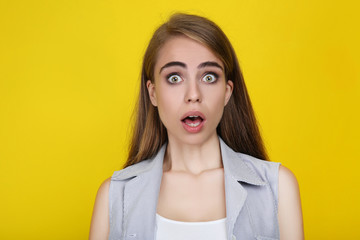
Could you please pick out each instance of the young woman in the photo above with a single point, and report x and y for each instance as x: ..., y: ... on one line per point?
x: 194, y: 168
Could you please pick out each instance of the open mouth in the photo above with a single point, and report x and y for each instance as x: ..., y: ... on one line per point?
x: 193, y: 120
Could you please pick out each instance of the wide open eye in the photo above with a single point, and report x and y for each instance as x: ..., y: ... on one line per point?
x: 210, y: 78
x: 174, y: 78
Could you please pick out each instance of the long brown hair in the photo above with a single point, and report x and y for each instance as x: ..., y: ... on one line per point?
x: 238, y: 126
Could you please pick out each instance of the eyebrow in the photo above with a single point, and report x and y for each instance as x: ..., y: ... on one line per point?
x: 201, y: 65
x: 170, y: 64
x: 210, y: 64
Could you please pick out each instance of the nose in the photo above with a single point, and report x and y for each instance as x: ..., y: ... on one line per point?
x: 193, y: 93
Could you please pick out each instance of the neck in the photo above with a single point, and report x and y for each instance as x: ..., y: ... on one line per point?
x: 193, y: 158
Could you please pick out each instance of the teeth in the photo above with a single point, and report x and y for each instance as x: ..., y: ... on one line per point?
x: 193, y: 124
x: 193, y: 116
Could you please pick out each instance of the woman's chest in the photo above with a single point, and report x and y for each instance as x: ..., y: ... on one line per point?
x: 185, y: 197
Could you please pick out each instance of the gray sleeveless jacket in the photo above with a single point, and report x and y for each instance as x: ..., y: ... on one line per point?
x: 251, y: 192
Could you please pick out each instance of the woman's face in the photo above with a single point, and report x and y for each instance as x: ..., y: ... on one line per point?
x: 189, y: 90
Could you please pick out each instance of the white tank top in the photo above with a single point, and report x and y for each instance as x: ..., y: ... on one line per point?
x: 176, y: 230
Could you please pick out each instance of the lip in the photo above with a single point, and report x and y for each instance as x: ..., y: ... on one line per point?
x: 194, y: 129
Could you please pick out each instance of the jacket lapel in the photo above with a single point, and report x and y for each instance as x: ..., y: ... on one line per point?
x: 235, y: 172
x: 235, y: 196
x: 141, y: 197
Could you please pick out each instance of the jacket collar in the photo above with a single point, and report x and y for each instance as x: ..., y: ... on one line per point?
x: 142, y: 190
x: 236, y: 167
x: 153, y: 164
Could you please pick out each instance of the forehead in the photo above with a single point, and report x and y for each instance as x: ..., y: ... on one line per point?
x: 187, y: 50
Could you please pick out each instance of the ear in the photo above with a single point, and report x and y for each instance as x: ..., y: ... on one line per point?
x: 229, y: 90
x: 151, y: 89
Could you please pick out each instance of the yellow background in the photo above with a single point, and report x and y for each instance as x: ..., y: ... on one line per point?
x: 69, y: 73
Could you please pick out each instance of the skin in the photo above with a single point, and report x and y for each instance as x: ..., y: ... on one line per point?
x: 192, y: 187
x: 190, y: 152
x: 193, y: 177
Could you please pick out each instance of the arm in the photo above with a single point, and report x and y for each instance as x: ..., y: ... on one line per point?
x: 100, y: 225
x: 290, y: 213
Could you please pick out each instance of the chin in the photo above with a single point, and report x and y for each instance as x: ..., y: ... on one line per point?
x: 195, y: 139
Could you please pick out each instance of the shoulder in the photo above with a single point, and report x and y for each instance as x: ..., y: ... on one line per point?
x: 133, y: 170
x: 288, y: 186
x: 100, y: 219
x: 142, y: 167
x: 258, y: 163
x: 103, y: 191
x: 289, y: 192
x: 290, y: 212
x: 266, y: 170
x: 104, y: 187
x: 287, y: 179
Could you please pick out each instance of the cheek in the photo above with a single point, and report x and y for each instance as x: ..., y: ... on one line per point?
x: 168, y: 102
x: 165, y: 97
x: 219, y: 108
x: 216, y: 96
x: 217, y: 104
